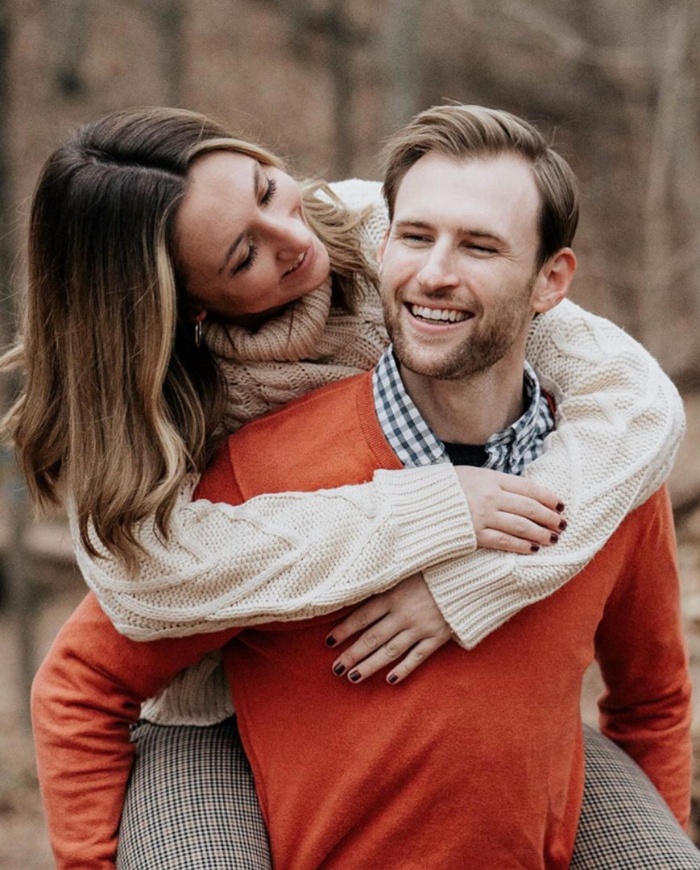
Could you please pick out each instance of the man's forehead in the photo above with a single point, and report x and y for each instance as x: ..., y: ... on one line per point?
x: 438, y: 187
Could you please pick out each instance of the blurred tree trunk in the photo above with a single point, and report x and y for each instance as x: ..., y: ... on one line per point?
x: 68, y: 34
x: 13, y: 491
x: 403, y: 62
x: 671, y: 220
x: 170, y: 22
x: 340, y: 57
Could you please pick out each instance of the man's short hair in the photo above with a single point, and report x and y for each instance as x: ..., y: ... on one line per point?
x: 466, y: 132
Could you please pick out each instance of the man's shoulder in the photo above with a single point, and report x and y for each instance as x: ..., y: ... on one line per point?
x: 324, y: 439
x: 296, y: 416
x: 647, y: 528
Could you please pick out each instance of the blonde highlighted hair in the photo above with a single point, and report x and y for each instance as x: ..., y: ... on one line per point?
x: 118, y: 404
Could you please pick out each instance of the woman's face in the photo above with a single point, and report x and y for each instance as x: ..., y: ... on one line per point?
x: 243, y: 245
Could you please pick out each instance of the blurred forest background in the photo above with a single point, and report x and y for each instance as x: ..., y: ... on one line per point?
x: 614, y: 83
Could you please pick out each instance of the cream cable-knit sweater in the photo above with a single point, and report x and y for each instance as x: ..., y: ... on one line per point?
x: 291, y: 556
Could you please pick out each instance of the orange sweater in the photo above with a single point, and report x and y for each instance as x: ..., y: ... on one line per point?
x: 476, y: 758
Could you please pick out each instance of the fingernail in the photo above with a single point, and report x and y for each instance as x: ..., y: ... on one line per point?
x: 560, y: 507
x: 554, y: 538
x: 339, y: 670
x: 392, y: 678
x: 535, y: 548
x: 330, y: 640
x: 562, y: 525
x: 354, y: 676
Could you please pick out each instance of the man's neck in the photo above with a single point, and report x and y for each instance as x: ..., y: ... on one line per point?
x: 470, y: 410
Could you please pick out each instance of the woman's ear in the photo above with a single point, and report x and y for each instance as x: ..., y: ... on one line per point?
x: 554, y: 279
x: 194, y: 311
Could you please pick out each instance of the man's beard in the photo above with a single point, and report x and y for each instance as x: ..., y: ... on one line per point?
x: 476, y: 354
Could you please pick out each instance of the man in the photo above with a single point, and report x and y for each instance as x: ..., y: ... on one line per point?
x: 477, y: 759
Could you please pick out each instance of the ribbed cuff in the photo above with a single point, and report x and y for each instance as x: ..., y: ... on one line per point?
x: 430, y: 512
x: 477, y: 595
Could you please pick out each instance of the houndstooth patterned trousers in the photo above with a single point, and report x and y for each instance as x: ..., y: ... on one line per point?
x: 191, y: 805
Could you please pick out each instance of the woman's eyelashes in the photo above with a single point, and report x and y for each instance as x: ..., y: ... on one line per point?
x: 249, y: 260
x: 266, y: 198
x: 270, y: 192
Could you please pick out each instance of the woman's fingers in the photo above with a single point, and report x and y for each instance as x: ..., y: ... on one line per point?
x: 510, y: 513
x: 363, y: 617
x: 402, y: 644
x: 379, y: 636
x: 415, y: 657
x: 404, y: 621
x: 524, y: 518
x: 529, y: 489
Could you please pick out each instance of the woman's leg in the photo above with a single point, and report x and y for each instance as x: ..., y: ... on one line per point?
x: 191, y: 802
x: 625, y: 822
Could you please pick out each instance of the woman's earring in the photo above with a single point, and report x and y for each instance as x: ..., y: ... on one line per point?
x: 199, y: 320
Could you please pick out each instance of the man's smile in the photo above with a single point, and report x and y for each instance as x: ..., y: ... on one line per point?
x: 438, y: 315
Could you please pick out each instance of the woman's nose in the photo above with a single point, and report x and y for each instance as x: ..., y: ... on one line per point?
x: 291, y: 237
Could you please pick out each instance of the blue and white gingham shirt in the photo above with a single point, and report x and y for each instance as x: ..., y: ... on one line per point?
x: 415, y: 443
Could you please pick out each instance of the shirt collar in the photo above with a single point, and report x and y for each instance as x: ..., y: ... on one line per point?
x: 415, y: 444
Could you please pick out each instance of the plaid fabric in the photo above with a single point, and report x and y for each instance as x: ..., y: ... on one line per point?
x: 191, y: 802
x: 625, y: 824
x: 416, y: 444
x: 191, y: 805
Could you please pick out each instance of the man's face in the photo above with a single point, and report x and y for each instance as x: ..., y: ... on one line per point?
x: 458, y: 265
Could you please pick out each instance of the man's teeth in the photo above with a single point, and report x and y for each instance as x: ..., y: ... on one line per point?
x: 449, y: 315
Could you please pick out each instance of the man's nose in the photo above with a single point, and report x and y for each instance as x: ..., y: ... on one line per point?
x: 438, y: 270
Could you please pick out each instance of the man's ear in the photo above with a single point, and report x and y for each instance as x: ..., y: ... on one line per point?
x: 382, y: 246
x: 554, y: 279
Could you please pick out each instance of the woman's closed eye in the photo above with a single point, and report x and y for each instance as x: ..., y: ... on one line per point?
x: 248, y: 261
x: 269, y: 192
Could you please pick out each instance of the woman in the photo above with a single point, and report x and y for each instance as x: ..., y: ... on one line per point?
x: 119, y: 369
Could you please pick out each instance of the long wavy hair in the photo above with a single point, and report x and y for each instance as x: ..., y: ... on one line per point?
x: 118, y: 404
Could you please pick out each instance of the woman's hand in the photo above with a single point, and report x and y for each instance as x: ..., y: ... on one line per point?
x: 404, y: 620
x: 510, y: 513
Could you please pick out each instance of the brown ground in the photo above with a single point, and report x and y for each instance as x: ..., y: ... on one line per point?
x: 23, y: 842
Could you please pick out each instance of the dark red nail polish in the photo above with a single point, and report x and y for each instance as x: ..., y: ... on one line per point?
x: 554, y: 538
x: 560, y: 507
x: 562, y: 525
x: 330, y: 640
x: 354, y: 676
x: 339, y: 670
x: 392, y: 679
x: 535, y: 548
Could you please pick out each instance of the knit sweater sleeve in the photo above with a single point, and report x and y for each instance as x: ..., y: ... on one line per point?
x: 285, y: 556
x: 620, y: 421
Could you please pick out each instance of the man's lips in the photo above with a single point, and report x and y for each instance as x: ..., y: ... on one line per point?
x: 438, y: 315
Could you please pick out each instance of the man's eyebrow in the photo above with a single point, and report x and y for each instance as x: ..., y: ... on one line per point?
x: 415, y: 224
x: 472, y: 233
x: 231, y: 250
